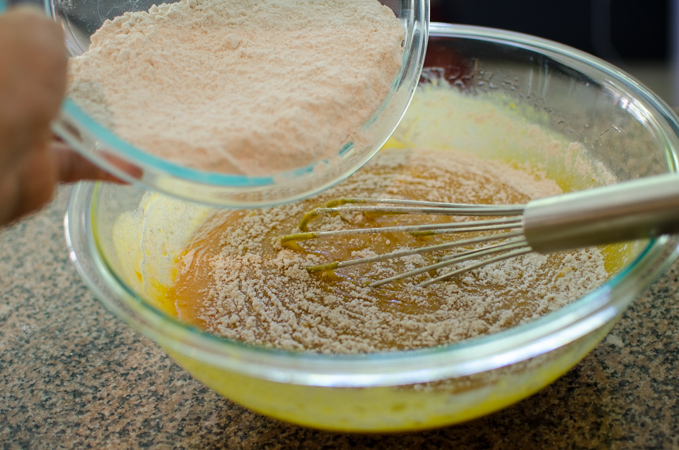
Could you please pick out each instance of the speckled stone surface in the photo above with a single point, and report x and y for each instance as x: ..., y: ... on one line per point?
x: 73, y: 376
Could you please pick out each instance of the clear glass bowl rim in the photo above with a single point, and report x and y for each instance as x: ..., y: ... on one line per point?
x: 550, y: 332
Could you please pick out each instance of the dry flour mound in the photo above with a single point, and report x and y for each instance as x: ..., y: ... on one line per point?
x: 241, y: 86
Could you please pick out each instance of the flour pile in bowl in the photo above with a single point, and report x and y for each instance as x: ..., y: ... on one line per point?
x: 252, y: 87
x: 236, y: 280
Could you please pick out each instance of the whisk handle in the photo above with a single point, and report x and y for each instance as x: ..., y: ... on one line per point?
x: 648, y: 207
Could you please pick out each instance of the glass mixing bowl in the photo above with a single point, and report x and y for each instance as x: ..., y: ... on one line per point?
x: 81, y: 18
x: 624, y: 128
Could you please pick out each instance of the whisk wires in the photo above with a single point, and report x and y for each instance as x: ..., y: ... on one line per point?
x: 508, y: 243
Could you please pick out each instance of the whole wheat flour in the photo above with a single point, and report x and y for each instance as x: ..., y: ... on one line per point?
x: 236, y: 280
x: 250, y: 87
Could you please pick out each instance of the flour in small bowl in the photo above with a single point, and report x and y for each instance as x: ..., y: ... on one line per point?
x: 252, y: 87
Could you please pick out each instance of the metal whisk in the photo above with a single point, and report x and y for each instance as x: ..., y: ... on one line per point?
x: 643, y: 208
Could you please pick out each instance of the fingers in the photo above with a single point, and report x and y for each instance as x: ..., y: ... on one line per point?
x: 28, y: 186
x: 32, y: 81
x: 37, y: 182
x: 36, y: 45
x: 71, y: 166
x: 33, y: 75
x: 31, y: 184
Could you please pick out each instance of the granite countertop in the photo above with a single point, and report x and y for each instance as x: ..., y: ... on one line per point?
x: 74, y: 376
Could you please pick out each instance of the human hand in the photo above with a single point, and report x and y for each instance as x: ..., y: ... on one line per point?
x: 32, y: 87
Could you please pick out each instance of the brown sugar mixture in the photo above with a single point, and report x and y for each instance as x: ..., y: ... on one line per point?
x: 236, y: 280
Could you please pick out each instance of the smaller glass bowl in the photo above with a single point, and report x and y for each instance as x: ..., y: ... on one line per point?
x: 81, y: 18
